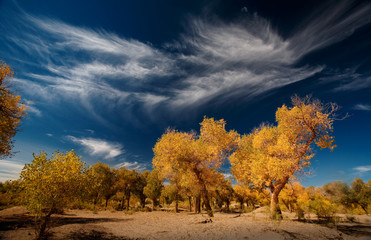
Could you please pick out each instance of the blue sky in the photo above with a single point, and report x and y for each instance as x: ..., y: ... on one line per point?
x: 106, y: 78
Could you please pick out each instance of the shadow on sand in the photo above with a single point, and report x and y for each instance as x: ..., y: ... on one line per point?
x: 352, y: 229
x: 95, y: 235
x: 23, y: 221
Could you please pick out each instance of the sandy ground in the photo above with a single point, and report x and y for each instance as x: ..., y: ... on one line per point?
x: 16, y: 223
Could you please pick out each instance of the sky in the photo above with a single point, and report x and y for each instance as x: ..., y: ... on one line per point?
x: 107, y: 78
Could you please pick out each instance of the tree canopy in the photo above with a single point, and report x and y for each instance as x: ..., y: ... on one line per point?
x: 197, y: 156
x: 11, y: 111
x: 272, y: 155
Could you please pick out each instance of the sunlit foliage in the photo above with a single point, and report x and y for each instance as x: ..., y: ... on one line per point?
x: 154, y: 187
x: 12, y: 111
x: 198, y: 156
x: 99, y: 183
x: 272, y: 155
x: 50, y: 183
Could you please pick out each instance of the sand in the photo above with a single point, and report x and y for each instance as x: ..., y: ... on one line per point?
x: 16, y: 223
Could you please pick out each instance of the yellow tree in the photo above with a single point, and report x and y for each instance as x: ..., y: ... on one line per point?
x: 50, y: 184
x: 11, y: 111
x: 290, y: 195
x: 272, y: 155
x: 177, y: 153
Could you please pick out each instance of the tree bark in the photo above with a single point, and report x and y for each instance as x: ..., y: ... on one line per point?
x: 106, y: 203
x: 128, y: 202
x: 122, y: 203
x: 176, y: 204
x: 143, y: 201
x: 206, y: 201
x: 198, y: 204
x: 275, y: 207
x: 190, y: 203
x: 44, y: 224
x: 204, y: 192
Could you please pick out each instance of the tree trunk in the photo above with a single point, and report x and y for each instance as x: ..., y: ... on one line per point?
x: 122, y: 203
x: 128, y: 202
x: 241, y: 205
x: 364, y: 208
x: 203, y: 192
x: 198, y: 204
x: 206, y: 201
x: 44, y: 224
x: 275, y: 207
x: 176, y: 204
x: 143, y: 201
x: 106, y: 203
x: 190, y: 203
x: 153, y: 204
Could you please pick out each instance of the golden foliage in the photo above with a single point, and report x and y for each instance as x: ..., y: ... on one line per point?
x: 11, y: 111
x: 272, y: 155
x: 49, y: 184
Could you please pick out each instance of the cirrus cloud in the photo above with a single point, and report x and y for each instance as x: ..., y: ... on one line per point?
x: 99, y: 147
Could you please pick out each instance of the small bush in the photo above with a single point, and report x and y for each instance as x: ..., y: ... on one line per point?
x: 323, y: 208
x: 300, y: 213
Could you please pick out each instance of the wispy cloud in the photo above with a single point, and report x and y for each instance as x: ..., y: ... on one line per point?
x: 131, y: 165
x: 363, y: 169
x: 30, y: 107
x: 10, y: 170
x: 99, y: 147
x: 330, y: 23
x: 213, y: 61
x: 362, y: 107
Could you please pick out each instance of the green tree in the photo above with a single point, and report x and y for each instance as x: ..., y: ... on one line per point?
x: 154, y: 187
x: 100, y: 183
x: 338, y: 192
x: 360, y: 194
x: 141, y: 183
x: 49, y: 184
x: 12, y: 111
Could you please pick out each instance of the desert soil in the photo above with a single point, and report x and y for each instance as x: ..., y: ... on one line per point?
x: 16, y: 223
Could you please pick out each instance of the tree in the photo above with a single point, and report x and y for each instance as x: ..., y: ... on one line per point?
x: 200, y: 157
x: 223, y: 193
x: 338, y: 192
x: 154, y: 187
x: 126, y: 183
x: 100, y: 183
x: 272, y: 155
x: 49, y: 184
x: 12, y: 111
x: 141, y: 183
x: 360, y: 194
x: 290, y: 195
